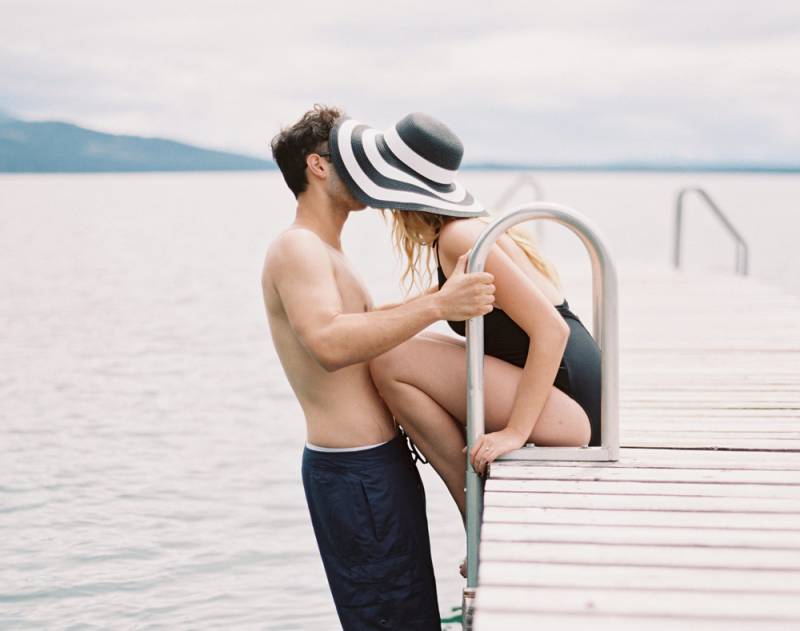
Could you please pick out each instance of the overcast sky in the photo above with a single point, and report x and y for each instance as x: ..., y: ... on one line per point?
x: 518, y: 81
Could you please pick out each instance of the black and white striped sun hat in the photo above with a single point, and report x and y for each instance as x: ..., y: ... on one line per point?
x: 410, y: 166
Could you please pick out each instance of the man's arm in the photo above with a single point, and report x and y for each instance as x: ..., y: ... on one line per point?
x: 392, y: 305
x: 302, y: 274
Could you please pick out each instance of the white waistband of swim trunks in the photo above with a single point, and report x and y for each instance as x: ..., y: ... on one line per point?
x: 331, y: 450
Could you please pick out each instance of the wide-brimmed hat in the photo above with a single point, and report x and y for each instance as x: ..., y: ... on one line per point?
x: 410, y: 166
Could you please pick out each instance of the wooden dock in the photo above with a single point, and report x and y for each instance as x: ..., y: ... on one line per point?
x: 698, y: 523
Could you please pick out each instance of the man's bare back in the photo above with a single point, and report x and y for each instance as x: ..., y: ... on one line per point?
x: 342, y: 407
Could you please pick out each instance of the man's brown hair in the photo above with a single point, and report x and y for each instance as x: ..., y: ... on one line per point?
x: 292, y: 145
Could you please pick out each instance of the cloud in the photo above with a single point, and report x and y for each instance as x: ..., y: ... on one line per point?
x: 545, y: 81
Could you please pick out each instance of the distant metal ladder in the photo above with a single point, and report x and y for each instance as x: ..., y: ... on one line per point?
x: 524, y: 180
x: 741, y: 265
x: 605, y: 314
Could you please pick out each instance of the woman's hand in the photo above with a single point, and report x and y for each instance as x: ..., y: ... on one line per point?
x: 493, y: 445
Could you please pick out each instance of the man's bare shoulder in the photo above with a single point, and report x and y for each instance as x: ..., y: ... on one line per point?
x: 292, y: 247
x: 296, y: 241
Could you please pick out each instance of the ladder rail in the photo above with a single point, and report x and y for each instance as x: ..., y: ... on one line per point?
x: 525, y: 179
x: 742, y: 251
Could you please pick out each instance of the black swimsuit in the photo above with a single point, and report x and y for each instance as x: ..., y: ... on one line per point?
x: 579, y: 372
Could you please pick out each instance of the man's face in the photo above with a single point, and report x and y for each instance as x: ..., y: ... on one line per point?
x: 340, y: 193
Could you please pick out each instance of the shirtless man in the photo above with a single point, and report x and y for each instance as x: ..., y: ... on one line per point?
x: 364, y: 494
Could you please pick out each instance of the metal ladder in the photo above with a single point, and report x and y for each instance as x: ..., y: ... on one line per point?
x: 741, y: 263
x: 605, y: 314
x: 524, y: 180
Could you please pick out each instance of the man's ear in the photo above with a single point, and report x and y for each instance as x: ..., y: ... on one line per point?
x: 317, y: 165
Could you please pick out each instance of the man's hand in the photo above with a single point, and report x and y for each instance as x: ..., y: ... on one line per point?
x: 465, y: 296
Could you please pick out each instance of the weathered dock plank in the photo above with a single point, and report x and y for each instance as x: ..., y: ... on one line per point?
x: 698, y: 523
x: 572, y: 622
x: 643, y: 602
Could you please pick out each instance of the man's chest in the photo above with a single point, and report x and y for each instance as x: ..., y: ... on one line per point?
x: 354, y: 294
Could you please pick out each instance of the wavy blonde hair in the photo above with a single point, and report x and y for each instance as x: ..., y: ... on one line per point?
x: 414, y: 232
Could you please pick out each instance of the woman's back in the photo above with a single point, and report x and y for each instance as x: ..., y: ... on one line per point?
x: 510, y: 247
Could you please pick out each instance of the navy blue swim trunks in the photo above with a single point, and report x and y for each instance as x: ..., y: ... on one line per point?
x: 368, y: 512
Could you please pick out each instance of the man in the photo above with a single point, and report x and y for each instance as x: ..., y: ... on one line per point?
x: 364, y: 494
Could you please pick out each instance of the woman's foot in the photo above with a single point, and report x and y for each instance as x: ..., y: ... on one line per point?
x: 463, y: 568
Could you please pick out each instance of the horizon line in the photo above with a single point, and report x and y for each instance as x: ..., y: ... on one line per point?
x: 635, y: 165
x: 628, y: 165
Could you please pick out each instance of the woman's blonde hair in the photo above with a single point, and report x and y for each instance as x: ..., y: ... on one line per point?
x: 414, y: 231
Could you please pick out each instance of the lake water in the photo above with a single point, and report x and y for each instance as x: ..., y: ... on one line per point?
x: 149, y: 442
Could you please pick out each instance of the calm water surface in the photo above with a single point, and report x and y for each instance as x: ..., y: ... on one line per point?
x: 149, y: 442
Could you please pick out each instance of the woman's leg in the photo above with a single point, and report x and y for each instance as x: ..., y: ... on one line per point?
x: 424, y: 383
x: 436, y: 434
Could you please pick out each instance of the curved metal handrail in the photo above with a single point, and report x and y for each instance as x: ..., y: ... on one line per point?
x: 742, y: 251
x: 604, y: 293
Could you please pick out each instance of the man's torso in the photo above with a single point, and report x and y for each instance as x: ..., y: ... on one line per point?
x: 342, y: 408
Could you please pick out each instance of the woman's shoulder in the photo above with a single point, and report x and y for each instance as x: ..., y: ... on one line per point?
x: 458, y: 236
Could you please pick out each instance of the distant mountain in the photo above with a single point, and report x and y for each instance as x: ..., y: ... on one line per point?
x: 47, y: 147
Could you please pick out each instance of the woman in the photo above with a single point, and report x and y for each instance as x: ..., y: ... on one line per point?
x: 542, y: 370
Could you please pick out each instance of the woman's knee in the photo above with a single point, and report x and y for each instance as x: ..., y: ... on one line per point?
x: 379, y: 369
x: 387, y: 367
